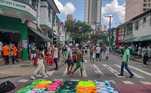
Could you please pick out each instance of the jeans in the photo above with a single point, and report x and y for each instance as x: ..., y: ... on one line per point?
x: 56, y: 63
x: 125, y: 65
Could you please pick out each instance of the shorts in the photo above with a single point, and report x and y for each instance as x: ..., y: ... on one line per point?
x: 97, y: 55
x: 79, y: 65
x: 33, y: 56
x: 69, y: 62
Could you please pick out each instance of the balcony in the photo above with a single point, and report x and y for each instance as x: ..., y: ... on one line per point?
x: 17, y: 9
x: 45, y: 23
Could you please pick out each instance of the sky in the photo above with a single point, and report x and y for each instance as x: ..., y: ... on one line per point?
x: 116, y: 8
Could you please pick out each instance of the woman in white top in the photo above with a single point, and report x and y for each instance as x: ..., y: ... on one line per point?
x: 40, y: 69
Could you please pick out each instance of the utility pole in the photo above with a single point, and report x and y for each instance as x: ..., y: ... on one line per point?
x: 109, y: 30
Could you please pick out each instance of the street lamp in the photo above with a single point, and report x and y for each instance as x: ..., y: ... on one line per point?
x: 109, y: 29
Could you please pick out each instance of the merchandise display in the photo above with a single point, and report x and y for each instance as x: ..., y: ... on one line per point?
x: 72, y: 86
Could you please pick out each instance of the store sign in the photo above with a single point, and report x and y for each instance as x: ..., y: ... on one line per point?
x: 18, y: 5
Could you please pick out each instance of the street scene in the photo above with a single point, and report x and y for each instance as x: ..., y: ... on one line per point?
x: 75, y: 46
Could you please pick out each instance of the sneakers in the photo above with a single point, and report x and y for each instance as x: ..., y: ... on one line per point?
x: 131, y: 76
x: 32, y: 77
x: 120, y: 75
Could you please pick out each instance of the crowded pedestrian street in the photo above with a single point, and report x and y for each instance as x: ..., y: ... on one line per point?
x: 75, y: 46
x: 103, y: 70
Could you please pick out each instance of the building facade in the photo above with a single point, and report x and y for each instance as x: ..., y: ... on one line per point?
x: 93, y: 12
x: 26, y: 21
x: 136, y: 7
x: 136, y: 30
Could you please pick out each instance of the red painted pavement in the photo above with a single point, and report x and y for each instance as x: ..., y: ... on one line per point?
x: 127, y: 88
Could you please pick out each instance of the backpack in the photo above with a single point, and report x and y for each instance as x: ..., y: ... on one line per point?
x: 6, y: 86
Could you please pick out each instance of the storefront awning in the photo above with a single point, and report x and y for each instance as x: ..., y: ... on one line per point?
x: 45, y: 38
x: 139, y: 39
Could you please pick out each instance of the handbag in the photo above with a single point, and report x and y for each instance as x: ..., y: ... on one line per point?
x: 6, y: 86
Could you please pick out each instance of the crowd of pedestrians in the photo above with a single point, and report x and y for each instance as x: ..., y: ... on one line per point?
x: 99, y: 52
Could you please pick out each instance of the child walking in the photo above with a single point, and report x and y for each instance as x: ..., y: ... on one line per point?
x: 40, y: 69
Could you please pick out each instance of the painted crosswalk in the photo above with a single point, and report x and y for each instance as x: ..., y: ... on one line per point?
x: 135, y: 74
x: 97, y: 70
x: 112, y: 70
x: 140, y: 70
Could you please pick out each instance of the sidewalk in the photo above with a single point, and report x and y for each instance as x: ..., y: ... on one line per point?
x: 24, y: 68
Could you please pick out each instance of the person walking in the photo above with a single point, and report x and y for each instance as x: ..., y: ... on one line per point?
x: 125, y: 61
x: 93, y: 53
x: 98, y: 50
x: 33, y: 55
x: 69, y: 60
x: 107, y: 52
x: 79, y: 62
x: 40, y: 68
x: 56, y: 55
x: 145, y: 58
x: 6, y: 52
x: 14, y: 53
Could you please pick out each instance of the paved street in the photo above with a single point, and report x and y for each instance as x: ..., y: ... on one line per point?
x: 107, y: 70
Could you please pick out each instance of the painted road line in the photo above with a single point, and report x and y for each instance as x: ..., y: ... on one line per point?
x: 112, y: 70
x: 135, y: 74
x: 23, y: 81
x: 97, y: 70
x: 50, y: 73
x: 113, y: 81
x: 128, y: 82
x: 142, y: 71
x: 145, y: 82
x: 84, y: 71
x: 65, y: 72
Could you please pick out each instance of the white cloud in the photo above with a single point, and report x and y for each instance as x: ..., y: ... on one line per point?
x: 69, y: 7
x: 114, y: 8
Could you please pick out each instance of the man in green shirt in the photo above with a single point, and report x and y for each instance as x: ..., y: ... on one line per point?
x: 125, y: 61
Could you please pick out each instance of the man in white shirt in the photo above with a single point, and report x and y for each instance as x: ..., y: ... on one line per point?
x: 98, y: 49
x: 56, y: 55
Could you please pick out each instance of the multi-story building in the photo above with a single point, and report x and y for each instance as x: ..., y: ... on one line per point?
x: 26, y: 21
x: 136, y: 30
x: 136, y: 7
x: 93, y: 12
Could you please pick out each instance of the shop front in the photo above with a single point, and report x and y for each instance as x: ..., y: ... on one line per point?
x: 12, y: 30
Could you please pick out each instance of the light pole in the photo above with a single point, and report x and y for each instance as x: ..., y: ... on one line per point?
x: 109, y: 29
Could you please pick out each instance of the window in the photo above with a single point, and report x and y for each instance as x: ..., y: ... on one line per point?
x: 145, y: 5
x: 144, y: 20
x: 145, y: 0
x: 137, y: 25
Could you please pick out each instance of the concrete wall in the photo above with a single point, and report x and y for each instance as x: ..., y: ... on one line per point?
x: 133, y: 8
x: 144, y: 27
